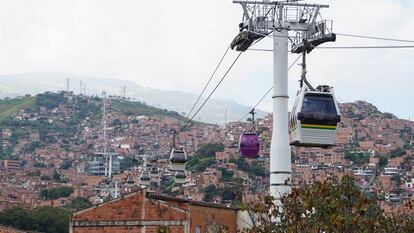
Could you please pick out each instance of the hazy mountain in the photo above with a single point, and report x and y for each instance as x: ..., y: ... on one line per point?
x: 33, y: 83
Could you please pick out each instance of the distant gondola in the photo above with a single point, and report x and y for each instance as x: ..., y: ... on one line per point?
x: 144, y: 178
x: 180, y: 177
x: 314, y: 118
x: 155, y: 172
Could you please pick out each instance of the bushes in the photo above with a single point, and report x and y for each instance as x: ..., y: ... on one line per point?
x: 48, y: 220
x: 204, y: 157
x: 55, y: 193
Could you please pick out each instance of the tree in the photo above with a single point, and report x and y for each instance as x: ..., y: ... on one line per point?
x: 397, y: 152
x: 331, y: 206
x: 204, y: 157
x: 48, y: 220
x: 55, y: 193
x: 383, y: 161
x: 80, y: 203
x: 18, y: 218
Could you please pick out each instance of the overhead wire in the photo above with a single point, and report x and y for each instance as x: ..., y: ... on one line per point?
x: 208, y: 82
x: 268, y: 91
x: 352, y: 47
x: 188, y: 121
x: 375, y: 38
x: 211, y: 93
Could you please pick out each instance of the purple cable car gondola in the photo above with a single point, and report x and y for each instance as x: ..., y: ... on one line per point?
x: 249, y: 145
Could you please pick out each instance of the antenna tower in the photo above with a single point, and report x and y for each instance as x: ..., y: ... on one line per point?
x: 303, y: 25
x: 67, y: 84
x: 123, y: 92
x: 80, y: 87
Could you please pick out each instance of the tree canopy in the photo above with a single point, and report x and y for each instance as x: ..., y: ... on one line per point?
x: 331, y: 206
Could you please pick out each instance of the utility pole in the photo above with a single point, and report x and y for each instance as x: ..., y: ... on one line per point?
x: 67, y: 84
x: 80, y: 87
x: 277, y: 19
x: 123, y: 92
x: 108, y: 170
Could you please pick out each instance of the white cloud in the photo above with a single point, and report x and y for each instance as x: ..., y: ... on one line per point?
x: 176, y: 45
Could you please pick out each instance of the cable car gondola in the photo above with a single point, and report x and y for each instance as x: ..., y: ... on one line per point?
x: 180, y: 177
x: 249, y: 143
x: 314, y: 118
x: 155, y: 172
x: 144, y: 178
x: 178, y: 158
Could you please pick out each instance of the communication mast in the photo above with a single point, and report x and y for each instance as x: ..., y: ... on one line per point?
x: 283, y: 20
x: 67, y: 85
x: 80, y: 87
x: 123, y: 92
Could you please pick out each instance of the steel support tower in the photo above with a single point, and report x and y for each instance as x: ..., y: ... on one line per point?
x: 302, y: 25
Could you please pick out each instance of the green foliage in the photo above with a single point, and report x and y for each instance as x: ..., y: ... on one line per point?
x: 227, y: 175
x: 18, y: 218
x: 209, y: 150
x: 33, y: 174
x: 383, y: 161
x: 254, y: 169
x: 232, y: 193
x: 396, y: 179
x: 80, y: 203
x: 129, y: 162
x: 51, y: 220
x: 357, y: 157
x: 204, y: 157
x: 39, y: 165
x: 47, y: 220
x: 397, y: 152
x: 55, y: 193
x: 33, y: 146
x: 10, y: 107
x: 210, y: 192
x: 49, y: 100
x: 330, y: 206
x: 66, y: 164
x: 138, y: 108
x: 198, y: 164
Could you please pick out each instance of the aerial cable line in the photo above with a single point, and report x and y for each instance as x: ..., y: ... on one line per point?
x: 188, y: 121
x: 211, y: 93
x: 208, y: 82
x: 352, y: 47
x: 375, y: 38
x: 268, y: 91
x: 370, y: 47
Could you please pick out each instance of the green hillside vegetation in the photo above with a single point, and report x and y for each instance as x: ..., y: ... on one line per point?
x: 130, y: 108
x: 10, y: 107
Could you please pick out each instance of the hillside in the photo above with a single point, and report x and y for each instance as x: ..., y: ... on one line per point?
x: 179, y: 101
x: 10, y: 107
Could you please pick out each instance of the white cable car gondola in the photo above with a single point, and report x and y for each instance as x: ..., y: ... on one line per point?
x: 178, y: 159
x: 180, y: 177
x: 314, y: 118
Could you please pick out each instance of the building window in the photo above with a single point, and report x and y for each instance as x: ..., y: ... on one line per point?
x: 198, y: 229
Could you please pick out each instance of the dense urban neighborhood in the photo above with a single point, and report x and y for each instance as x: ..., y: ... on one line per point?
x: 49, y: 143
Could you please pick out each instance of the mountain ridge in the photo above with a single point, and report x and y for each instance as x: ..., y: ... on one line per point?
x: 34, y: 83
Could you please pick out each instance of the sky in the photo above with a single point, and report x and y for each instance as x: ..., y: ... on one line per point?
x: 175, y: 45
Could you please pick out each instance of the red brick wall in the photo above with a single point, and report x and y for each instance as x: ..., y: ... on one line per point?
x: 151, y: 229
x: 203, y: 216
x: 130, y: 208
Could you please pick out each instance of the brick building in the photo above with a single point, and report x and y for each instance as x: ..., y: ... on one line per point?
x: 147, y: 212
